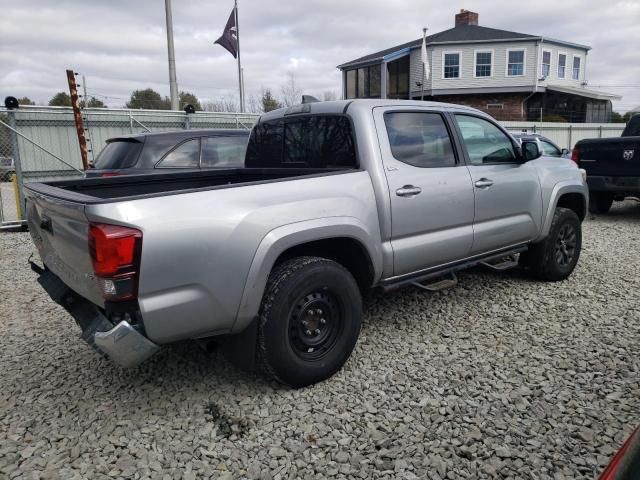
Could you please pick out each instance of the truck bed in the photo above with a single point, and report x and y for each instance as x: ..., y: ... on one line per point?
x: 112, y: 189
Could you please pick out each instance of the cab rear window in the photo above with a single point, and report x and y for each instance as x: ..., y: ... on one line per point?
x: 119, y: 154
x: 318, y: 141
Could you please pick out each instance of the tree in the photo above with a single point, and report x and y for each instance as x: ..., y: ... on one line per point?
x: 268, y: 101
x: 60, y: 99
x: 223, y: 104
x: 93, y: 103
x: 616, y: 118
x: 185, y: 98
x: 149, y: 99
x: 291, y: 91
x: 26, y: 101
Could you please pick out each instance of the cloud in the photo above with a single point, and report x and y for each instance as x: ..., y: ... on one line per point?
x: 121, y: 45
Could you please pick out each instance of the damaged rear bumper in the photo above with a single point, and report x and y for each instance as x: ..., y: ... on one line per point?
x: 123, y: 343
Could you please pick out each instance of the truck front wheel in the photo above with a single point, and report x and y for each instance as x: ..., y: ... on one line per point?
x: 555, y: 257
x: 600, y: 202
x: 309, y: 320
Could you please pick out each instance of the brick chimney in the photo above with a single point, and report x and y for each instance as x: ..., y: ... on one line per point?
x: 465, y: 17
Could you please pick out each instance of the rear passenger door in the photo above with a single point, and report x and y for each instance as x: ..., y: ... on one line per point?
x: 508, y: 198
x: 430, y: 189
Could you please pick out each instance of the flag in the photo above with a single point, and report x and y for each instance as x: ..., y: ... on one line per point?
x: 425, y: 59
x: 229, y: 38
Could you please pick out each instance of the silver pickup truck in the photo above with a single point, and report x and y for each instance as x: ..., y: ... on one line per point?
x: 335, y: 198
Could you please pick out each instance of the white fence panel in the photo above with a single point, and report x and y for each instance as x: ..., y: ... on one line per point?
x: 566, y: 135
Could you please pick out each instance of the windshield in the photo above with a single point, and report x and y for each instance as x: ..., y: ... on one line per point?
x: 119, y: 154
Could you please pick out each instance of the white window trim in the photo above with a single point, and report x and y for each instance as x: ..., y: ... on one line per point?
x: 524, y: 62
x: 447, y: 52
x: 475, y: 60
x: 550, y: 61
x: 579, y: 70
x: 566, y: 57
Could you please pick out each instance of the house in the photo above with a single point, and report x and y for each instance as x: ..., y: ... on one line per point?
x: 512, y: 76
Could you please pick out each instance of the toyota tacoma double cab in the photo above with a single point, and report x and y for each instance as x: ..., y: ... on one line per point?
x: 612, y: 166
x: 335, y: 198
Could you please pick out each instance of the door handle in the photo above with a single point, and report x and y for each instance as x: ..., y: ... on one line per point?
x: 484, y: 183
x: 408, y: 191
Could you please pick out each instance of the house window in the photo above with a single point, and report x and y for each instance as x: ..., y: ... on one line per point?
x: 515, y: 63
x: 562, y: 64
x: 576, y: 68
x: 451, y: 62
x: 364, y: 82
x: 483, y: 64
x: 546, y: 63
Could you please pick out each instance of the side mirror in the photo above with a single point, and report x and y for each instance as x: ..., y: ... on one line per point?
x: 564, y: 151
x: 530, y: 150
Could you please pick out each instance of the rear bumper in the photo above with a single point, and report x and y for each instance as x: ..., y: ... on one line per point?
x: 621, y: 185
x: 122, y: 343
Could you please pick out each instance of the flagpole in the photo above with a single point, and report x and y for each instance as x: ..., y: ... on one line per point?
x: 240, y: 86
x: 424, y: 38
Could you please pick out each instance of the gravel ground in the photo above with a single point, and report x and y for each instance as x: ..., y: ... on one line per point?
x: 500, y: 377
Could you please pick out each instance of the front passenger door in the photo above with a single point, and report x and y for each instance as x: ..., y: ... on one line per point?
x: 508, y: 198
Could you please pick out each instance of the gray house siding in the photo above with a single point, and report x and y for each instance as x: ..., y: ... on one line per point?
x: 467, y: 79
x: 499, y: 78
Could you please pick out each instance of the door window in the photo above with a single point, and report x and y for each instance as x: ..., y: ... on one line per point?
x: 223, y: 151
x: 485, y: 142
x: 419, y: 139
x: 550, y: 150
x: 186, y: 155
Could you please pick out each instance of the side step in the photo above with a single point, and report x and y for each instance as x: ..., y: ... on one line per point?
x: 501, y: 264
x: 441, y: 284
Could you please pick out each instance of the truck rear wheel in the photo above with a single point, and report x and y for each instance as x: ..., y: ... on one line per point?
x: 309, y: 320
x: 555, y: 257
x: 600, y: 202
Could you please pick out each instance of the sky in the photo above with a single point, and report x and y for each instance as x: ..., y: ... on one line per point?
x: 120, y: 45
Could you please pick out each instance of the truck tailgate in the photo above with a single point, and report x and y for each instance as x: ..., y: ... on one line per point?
x: 610, y: 156
x: 59, y: 230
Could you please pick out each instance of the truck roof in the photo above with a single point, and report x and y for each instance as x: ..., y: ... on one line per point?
x: 344, y: 106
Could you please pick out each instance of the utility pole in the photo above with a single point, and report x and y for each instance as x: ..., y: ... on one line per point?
x: 77, y: 117
x: 173, y: 83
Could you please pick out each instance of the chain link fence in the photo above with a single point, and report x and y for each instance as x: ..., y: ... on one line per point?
x: 41, y: 143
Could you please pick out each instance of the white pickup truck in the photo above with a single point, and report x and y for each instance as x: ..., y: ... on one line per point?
x: 335, y: 198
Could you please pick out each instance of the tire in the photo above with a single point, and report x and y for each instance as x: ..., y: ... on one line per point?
x: 309, y: 320
x: 600, y: 202
x: 554, y: 258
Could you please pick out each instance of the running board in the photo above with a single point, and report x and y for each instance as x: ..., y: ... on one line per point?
x: 442, y: 284
x: 504, y: 263
x: 439, y: 272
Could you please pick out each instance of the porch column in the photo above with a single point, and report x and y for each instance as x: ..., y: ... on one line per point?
x: 383, y: 79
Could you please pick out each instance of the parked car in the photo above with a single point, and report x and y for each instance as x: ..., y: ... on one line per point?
x: 335, y: 198
x: 7, y: 169
x: 625, y: 465
x: 546, y: 145
x: 162, y: 151
x: 612, y: 165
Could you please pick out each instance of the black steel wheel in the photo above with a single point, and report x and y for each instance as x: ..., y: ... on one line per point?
x: 556, y: 256
x: 309, y: 320
x: 565, y: 247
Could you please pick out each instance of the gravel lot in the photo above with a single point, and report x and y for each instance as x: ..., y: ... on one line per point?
x: 500, y: 377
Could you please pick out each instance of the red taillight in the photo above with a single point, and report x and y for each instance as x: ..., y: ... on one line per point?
x: 575, y: 154
x: 115, y: 253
